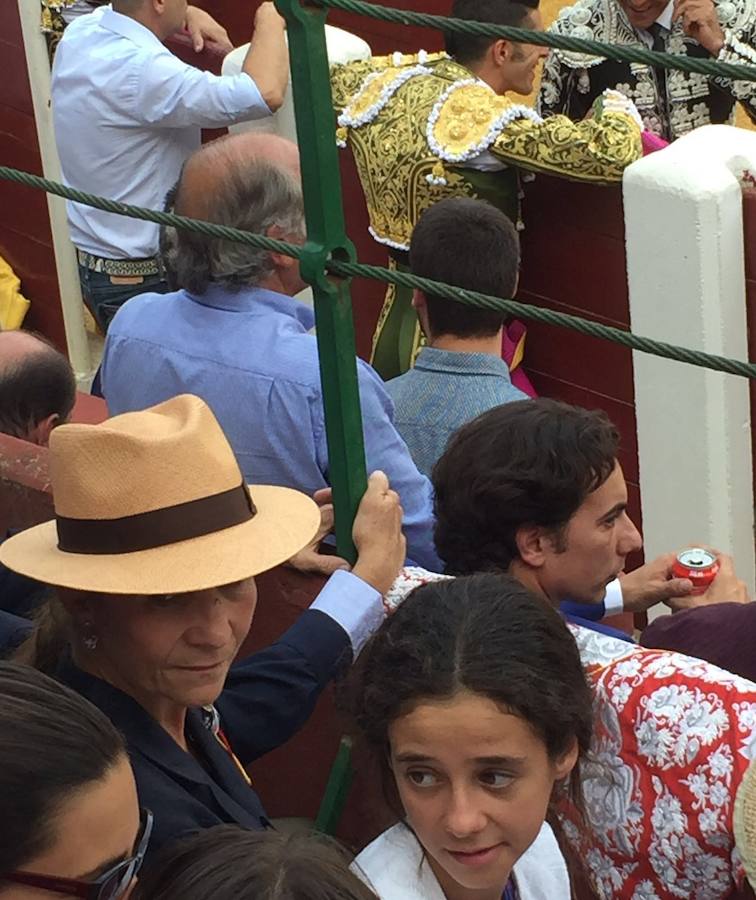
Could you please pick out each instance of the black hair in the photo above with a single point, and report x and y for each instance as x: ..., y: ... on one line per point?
x: 486, y: 634
x: 531, y: 462
x: 229, y: 863
x: 469, y: 244
x: 38, y: 384
x: 54, y: 742
x: 469, y: 48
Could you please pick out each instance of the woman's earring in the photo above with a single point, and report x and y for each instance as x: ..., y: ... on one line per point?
x: 90, y: 638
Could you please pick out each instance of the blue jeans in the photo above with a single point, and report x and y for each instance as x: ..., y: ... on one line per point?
x: 104, y: 298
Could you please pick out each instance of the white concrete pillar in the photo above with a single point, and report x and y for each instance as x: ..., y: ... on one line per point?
x: 342, y: 47
x: 684, y: 234
x: 38, y: 66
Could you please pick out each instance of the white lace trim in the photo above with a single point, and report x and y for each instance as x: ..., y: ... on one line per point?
x: 397, y: 58
x: 736, y: 46
x: 387, y: 241
x: 346, y: 120
x: 499, y: 123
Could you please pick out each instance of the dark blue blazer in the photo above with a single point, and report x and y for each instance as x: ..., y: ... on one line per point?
x: 13, y: 630
x: 267, y: 698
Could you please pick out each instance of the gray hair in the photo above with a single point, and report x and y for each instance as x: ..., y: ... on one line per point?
x: 254, y: 195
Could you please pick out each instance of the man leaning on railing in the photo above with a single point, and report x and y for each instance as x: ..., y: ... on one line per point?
x: 670, y: 102
x: 127, y: 113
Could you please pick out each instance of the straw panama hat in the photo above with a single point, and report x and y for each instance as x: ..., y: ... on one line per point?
x: 744, y: 822
x: 154, y: 502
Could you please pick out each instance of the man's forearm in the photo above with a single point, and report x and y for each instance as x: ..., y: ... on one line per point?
x: 267, y: 60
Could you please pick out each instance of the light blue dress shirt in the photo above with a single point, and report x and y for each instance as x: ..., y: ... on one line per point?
x: 441, y: 393
x: 354, y: 605
x: 250, y: 358
x: 127, y: 113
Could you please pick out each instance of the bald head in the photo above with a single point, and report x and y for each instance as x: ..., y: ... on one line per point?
x: 37, y: 387
x: 162, y: 17
x: 249, y: 181
x: 214, y: 166
x: 15, y: 345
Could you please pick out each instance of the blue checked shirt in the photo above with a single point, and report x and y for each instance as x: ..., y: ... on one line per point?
x: 445, y: 390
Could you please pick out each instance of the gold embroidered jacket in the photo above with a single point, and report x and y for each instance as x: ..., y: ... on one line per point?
x: 422, y: 128
x: 670, y: 104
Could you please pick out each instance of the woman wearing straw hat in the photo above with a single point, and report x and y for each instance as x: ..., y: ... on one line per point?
x: 154, y: 548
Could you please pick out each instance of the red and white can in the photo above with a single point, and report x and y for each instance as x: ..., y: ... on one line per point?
x: 698, y: 565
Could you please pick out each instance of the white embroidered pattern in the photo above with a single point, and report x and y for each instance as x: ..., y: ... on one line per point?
x: 347, y: 120
x: 397, y: 245
x: 672, y: 738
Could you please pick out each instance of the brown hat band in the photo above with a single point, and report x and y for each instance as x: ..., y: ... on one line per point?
x: 158, y: 527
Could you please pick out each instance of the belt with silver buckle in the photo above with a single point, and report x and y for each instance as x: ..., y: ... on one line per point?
x: 124, y: 267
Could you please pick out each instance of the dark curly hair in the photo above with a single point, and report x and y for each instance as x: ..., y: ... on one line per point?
x: 532, y: 462
x: 485, y: 634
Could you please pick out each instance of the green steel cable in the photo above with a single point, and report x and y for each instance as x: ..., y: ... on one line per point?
x: 550, y: 317
x: 626, y: 52
x: 149, y: 215
x: 360, y: 270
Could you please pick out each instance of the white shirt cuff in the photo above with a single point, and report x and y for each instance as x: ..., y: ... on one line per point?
x: 354, y: 605
x: 613, y: 602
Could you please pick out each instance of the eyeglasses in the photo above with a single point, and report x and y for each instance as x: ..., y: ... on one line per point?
x: 109, y: 886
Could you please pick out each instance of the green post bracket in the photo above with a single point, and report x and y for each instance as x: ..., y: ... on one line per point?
x: 326, y: 239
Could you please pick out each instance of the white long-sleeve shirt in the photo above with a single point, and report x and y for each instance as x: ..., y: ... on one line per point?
x: 127, y: 113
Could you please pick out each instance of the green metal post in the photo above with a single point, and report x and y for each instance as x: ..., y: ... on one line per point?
x: 326, y: 238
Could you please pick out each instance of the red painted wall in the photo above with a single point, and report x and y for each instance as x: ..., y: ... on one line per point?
x: 25, y: 237
x: 573, y: 261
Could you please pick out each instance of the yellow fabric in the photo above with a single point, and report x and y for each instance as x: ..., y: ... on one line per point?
x: 597, y: 149
x: 411, y: 125
x: 13, y: 305
x: 518, y: 353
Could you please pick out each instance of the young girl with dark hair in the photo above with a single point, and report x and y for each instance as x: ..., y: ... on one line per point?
x: 71, y: 821
x: 472, y: 698
x: 230, y: 863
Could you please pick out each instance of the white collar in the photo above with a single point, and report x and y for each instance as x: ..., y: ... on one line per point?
x: 665, y: 16
x: 129, y: 28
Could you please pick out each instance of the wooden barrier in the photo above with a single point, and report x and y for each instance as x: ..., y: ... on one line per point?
x: 25, y: 235
x: 573, y: 261
x: 25, y: 490
x: 749, y: 243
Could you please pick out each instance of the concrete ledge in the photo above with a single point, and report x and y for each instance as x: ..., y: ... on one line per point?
x: 685, y: 262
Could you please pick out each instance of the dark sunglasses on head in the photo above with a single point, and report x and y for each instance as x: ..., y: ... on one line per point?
x: 109, y: 886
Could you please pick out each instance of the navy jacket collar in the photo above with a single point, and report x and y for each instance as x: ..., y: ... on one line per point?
x: 211, y: 765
